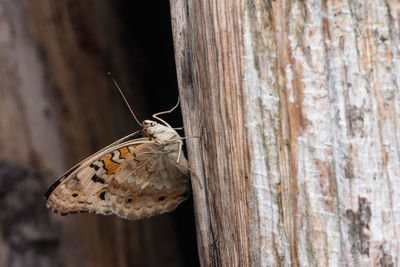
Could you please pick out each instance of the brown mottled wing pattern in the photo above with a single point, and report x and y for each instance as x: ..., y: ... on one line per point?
x: 149, y: 182
x: 78, y: 193
x: 82, y: 188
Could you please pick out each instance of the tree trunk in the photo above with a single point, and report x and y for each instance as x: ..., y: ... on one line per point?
x: 297, y: 107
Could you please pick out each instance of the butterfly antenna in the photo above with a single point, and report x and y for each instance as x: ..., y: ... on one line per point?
x: 123, y: 96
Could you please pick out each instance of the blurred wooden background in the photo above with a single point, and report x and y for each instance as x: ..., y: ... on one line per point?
x: 58, y: 106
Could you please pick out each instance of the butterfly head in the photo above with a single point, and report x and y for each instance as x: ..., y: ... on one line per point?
x: 158, y: 131
x: 149, y: 127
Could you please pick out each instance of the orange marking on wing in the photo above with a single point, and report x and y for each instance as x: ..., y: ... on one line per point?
x: 102, y: 190
x: 124, y: 152
x: 111, y: 166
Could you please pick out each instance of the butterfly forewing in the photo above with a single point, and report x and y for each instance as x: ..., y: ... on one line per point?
x: 82, y: 188
x: 136, y: 136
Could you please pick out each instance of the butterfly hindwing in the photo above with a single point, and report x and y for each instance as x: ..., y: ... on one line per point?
x: 148, y: 183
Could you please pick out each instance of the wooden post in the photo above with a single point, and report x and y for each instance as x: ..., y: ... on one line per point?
x: 297, y: 107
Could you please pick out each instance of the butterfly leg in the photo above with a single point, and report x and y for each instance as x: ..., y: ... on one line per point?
x: 181, y: 144
x: 181, y: 138
x: 165, y: 112
x: 186, y: 167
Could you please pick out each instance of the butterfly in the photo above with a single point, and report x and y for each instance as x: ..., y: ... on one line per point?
x: 136, y: 177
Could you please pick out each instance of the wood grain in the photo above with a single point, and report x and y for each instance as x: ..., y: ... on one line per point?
x: 296, y: 104
x: 208, y: 60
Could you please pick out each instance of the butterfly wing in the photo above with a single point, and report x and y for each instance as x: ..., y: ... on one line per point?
x: 78, y: 193
x: 82, y: 188
x: 149, y: 182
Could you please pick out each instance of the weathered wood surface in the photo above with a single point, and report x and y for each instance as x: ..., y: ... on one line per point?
x: 297, y: 107
x: 57, y: 107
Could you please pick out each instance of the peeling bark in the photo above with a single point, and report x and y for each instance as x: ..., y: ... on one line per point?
x: 297, y: 107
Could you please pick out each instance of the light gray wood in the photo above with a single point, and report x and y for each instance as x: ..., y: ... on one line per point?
x: 297, y: 109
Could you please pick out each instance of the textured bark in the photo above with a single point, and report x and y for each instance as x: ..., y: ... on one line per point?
x: 297, y: 107
x: 58, y: 106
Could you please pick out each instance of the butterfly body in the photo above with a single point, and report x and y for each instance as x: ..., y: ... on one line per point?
x: 141, y: 175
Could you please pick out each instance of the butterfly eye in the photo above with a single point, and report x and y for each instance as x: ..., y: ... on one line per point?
x: 153, y: 123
